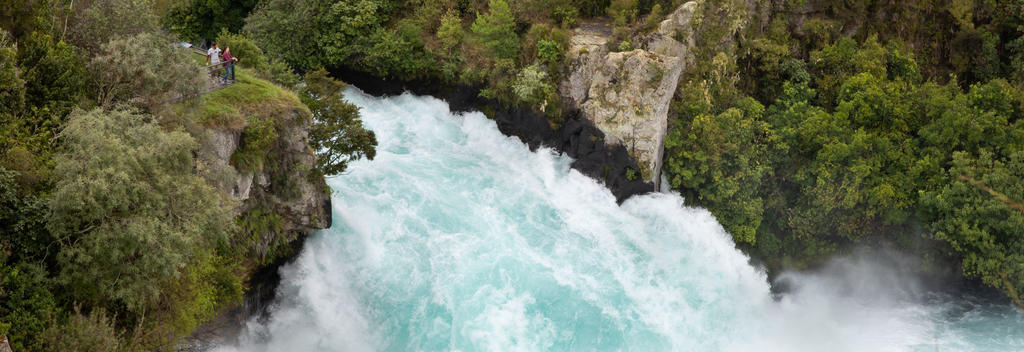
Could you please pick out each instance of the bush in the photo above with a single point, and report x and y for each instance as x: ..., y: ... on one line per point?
x: 94, y: 332
x: 245, y: 49
x: 27, y: 303
x: 256, y: 140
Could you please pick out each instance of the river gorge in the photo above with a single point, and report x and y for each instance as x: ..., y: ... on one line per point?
x: 458, y: 238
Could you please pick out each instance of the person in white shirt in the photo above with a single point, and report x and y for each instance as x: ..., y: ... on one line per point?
x: 213, y: 58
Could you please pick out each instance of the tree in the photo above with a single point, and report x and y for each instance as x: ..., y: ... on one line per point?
x: 12, y: 86
x: 105, y: 20
x: 203, y: 19
x: 338, y: 134
x: 496, y: 30
x: 27, y: 303
x: 623, y: 12
x: 55, y: 78
x: 450, y: 32
x: 127, y: 209
x: 984, y: 230
x: 531, y: 85
x: 288, y: 30
x: 719, y: 160
x: 146, y: 66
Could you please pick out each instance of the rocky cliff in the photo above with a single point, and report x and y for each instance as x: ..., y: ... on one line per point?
x: 286, y: 195
x: 286, y: 186
x: 627, y: 94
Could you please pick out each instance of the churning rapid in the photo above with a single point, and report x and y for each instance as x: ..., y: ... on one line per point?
x: 457, y: 238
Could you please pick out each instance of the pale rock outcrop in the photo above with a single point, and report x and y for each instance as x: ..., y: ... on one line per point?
x: 587, y: 49
x: 627, y: 94
x: 629, y: 100
x: 674, y: 36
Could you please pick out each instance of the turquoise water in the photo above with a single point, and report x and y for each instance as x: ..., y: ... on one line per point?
x: 457, y: 238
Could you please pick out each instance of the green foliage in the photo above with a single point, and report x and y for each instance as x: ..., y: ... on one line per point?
x: 94, y: 332
x: 256, y: 139
x: 625, y: 45
x: 27, y: 303
x: 244, y: 49
x: 127, y: 209
x: 721, y: 159
x: 147, y: 67
x: 198, y: 19
x: 260, y: 224
x: 12, y: 86
x: 22, y: 17
x: 54, y: 77
x: 450, y: 33
x: 623, y: 12
x: 338, y: 134
x: 655, y: 17
x: 280, y: 72
x: 288, y: 30
x: 22, y: 220
x: 976, y: 55
x: 496, y: 30
x: 531, y: 84
x: 965, y: 209
x: 399, y: 53
x: 853, y: 148
x: 105, y: 20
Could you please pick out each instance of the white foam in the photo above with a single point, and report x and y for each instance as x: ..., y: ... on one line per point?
x: 459, y: 238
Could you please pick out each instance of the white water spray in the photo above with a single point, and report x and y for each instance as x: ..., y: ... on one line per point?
x: 457, y: 238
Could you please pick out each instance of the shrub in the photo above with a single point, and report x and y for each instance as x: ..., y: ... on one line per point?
x: 94, y: 332
x: 256, y: 139
x: 245, y: 49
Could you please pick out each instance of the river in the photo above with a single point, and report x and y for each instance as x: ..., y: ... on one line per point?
x: 458, y: 238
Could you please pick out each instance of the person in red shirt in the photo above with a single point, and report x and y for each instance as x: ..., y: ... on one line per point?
x: 229, y: 65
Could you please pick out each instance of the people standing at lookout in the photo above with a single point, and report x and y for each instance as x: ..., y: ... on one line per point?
x: 229, y: 65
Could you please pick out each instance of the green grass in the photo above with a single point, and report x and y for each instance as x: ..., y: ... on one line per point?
x: 229, y: 107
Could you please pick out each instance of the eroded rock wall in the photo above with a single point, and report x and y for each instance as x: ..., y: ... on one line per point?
x: 627, y: 94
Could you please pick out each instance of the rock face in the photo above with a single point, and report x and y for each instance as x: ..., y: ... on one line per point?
x: 303, y: 205
x: 629, y: 99
x: 587, y: 48
x: 674, y: 36
x: 284, y: 187
x: 627, y: 94
x: 4, y: 346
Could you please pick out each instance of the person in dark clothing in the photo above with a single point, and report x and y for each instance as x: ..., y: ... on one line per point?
x: 229, y: 65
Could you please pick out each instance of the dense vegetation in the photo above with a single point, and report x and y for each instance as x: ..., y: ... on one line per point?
x: 115, y: 233
x: 806, y: 138
x: 806, y: 127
